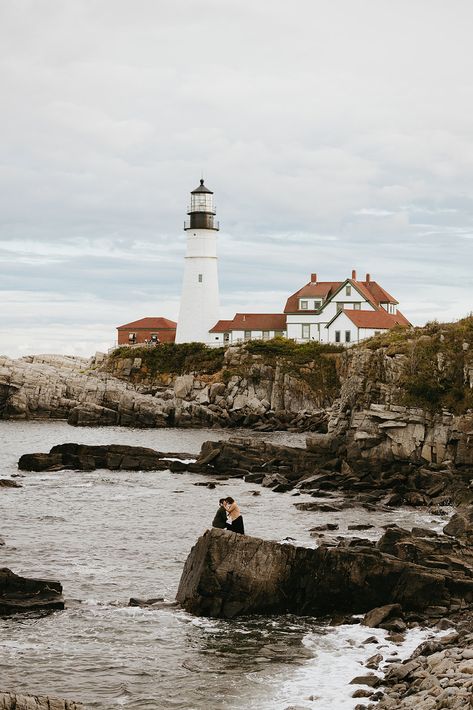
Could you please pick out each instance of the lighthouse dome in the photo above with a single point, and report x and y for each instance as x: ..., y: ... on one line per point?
x: 202, y: 188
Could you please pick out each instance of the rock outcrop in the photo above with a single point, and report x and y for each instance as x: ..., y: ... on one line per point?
x: 389, y: 433
x: 227, y: 575
x: 14, y: 701
x: 20, y: 594
x: 323, y: 468
x: 101, y: 392
x: 82, y: 457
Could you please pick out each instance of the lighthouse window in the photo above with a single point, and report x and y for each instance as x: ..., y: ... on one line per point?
x: 200, y: 278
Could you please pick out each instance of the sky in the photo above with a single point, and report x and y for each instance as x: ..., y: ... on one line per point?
x: 336, y: 135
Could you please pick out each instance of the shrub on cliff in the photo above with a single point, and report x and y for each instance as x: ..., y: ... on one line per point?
x: 436, y: 364
x: 175, y: 358
x: 297, y: 352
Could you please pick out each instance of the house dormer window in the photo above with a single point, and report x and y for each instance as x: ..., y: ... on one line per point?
x: 304, y: 305
x: 317, y: 304
x: 348, y: 290
x: 357, y: 306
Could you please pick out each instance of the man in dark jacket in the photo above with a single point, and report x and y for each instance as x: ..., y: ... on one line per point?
x: 220, y: 520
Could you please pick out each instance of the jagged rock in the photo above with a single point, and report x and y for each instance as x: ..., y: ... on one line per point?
x: 8, y: 483
x: 377, y: 616
x: 461, y: 523
x: 82, y: 457
x: 227, y: 575
x: 92, y: 415
x: 14, y: 701
x: 371, y: 680
x: 20, y: 594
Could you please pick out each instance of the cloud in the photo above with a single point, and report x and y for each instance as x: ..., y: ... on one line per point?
x: 329, y: 147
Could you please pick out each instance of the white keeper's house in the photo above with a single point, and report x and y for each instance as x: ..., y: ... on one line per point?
x: 339, y: 312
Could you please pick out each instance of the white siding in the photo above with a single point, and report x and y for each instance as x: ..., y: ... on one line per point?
x: 342, y: 324
x: 199, y: 307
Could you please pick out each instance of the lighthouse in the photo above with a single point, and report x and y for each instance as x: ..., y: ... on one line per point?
x: 199, y: 307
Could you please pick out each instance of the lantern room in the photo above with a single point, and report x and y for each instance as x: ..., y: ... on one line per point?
x: 202, y: 209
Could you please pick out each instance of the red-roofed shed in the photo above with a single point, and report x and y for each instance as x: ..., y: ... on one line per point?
x: 144, y: 330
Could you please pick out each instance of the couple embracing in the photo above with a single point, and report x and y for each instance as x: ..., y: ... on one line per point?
x: 228, y: 516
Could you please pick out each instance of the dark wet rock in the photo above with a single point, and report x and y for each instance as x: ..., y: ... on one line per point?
x: 377, y: 616
x: 326, y: 526
x: 227, y: 575
x: 371, y: 680
x: 20, y: 594
x: 394, y: 625
x: 14, y: 701
x: 115, y: 457
x: 374, y: 661
x: 461, y: 523
x: 361, y: 693
x: 370, y: 639
x: 8, y: 483
x: 144, y: 602
x: 153, y: 604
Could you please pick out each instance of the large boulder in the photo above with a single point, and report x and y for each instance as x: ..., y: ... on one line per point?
x: 461, y: 523
x: 227, y: 574
x: 20, y: 594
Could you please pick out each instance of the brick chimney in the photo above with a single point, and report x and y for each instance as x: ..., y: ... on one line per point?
x: 313, y: 278
x: 353, y: 275
x: 368, y: 278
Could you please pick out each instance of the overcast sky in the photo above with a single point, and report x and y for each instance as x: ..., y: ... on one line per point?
x: 336, y: 134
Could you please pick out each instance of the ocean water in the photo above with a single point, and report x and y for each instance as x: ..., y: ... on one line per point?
x: 108, y: 536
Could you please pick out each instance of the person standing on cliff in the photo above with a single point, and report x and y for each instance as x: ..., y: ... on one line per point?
x: 220, y: 519
x: 236, y: 518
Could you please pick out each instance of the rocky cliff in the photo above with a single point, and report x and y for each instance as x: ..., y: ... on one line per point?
x: 405, y: 395
x: 162, y: 387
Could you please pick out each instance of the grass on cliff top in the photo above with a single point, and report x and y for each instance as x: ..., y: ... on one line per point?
x: 300, y: 353
x: 435, y: 364
x: 312, y: 362
x: 178, y: 359
x: 175, y: 358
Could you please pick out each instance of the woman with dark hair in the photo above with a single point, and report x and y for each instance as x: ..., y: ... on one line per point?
x: 220, y: 519
x: 236, y: 518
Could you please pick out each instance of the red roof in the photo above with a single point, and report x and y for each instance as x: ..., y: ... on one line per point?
x: 150, y: 324
x: 221, y: 326
x: 370, y: 290
x: 319, y: 289
x: 379, y: 294
x: 375, y: 319
x: 252, y: 321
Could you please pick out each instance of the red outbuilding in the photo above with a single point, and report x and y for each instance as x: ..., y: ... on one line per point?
x: 147, y: 330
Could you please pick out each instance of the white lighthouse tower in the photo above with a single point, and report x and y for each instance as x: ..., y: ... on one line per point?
x: 199, y: 308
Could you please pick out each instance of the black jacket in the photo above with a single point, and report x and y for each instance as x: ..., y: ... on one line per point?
x: 220, y: 520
